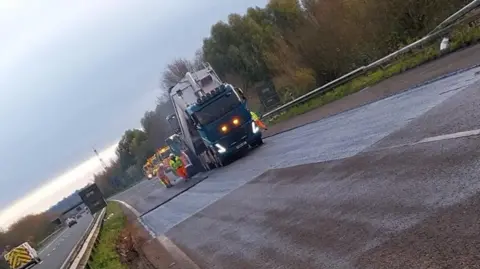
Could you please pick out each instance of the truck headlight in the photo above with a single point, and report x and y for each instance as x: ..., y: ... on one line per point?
x: 236, y: 121
x: 220, y: 148
x: 255, y: 128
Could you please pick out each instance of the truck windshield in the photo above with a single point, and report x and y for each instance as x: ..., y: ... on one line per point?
x: 217, y: 109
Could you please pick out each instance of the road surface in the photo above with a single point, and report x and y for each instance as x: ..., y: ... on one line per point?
x: 56, y: 252
x: 411, y: 200
x: 378, y: 196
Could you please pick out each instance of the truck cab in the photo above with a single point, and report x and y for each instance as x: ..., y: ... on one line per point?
x: 224, y: 122
x: 211, y: 119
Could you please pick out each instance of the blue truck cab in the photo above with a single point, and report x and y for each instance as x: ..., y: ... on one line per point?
x: 224, y: 122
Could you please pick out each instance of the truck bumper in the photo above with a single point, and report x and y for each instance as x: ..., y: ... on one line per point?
x: 248, y: 141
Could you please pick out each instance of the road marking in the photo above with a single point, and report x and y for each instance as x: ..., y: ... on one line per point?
x: 450, y: 136
x: 475, y: 132
x: 53, y: 241
x: 90, y: 223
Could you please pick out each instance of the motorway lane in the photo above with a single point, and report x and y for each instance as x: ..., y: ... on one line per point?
x: 396, y: 204
x: 337, y: 137
x: 406, y: 207
x: 57, y: 251
x: 457, y: 114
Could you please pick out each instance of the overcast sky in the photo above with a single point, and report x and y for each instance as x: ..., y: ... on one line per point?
x: 76, y: 74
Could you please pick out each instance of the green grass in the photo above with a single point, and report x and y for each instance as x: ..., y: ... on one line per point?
x: 106, y: 256
x: 460, y: 38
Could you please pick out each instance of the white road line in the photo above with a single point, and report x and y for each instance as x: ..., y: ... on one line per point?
x: 450, y: 136
x: 53, y: 241
x: 475, y: 132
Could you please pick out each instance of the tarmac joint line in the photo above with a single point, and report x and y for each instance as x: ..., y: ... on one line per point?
x: 463, y: 134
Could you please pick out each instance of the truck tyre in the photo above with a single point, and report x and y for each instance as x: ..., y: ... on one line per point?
x: 257, y: 143
x: 216, y: 158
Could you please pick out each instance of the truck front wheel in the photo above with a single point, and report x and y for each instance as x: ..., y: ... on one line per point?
x: 257, y: 142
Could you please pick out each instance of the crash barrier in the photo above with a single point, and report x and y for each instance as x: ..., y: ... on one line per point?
x: 78, y: 250
x: 440, y: 30
x: 83, y: 257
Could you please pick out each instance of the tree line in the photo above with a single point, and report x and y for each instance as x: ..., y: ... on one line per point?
x: 300, y: 44
x: 134, y: 148
x: 295, y: 44
x: 32, y: 229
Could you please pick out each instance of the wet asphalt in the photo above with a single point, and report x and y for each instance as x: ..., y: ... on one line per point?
x: 364, y: 203
x: 337, y: 137
x: 408, y: 207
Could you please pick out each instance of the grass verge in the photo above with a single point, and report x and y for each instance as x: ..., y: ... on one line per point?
x: 461, y: 37
x: 106, y: 256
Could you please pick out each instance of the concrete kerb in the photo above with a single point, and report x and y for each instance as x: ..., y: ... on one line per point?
x: 179, y: 256
x: 137, y: 215
x: 140, y: 215
x: 459, y: 71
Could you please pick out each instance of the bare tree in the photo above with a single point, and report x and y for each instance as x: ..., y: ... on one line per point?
x: 198, y: 60
x: 175, y: 72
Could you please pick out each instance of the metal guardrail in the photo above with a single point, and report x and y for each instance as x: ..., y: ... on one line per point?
x: 437, y: 32
x: 83, y: 256
x: 78, y: 248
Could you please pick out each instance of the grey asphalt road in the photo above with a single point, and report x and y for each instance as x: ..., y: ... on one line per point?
x: 56, y: 252
x: 148, y: 194
x: 407, y: 207
x: 337, y: 137
x: 399, y: 203
x: 365, y: 202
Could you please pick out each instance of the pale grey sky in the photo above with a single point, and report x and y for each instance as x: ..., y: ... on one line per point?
x: 76, y: 74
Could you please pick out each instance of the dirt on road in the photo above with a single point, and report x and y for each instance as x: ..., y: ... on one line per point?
x: 450, y: 63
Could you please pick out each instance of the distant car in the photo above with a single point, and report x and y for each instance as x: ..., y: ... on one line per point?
x: 79, y: 216
x: 70, y: 222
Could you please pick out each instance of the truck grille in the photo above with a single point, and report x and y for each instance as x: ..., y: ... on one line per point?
x: 238, y: 136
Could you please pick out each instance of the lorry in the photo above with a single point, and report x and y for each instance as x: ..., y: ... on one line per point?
x: 211, y: 118
x: 22, y: 257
